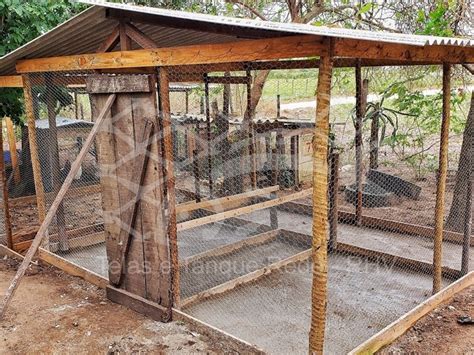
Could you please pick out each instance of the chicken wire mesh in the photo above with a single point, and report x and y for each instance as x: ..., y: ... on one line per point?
x: 243, y: 176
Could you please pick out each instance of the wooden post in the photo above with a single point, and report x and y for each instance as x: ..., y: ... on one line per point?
x: 187, y: 100
x: 274, y: 210
x: 208, y: 135
x: 320, y: 208
x: 333, y: 189
x: 3, y: 180
x: 358, y: 141
x: 170, y: 181
x: 441, y: 181
x: 294, y: 158
x: 54, y: 161
x: 278, y: 106
x: 250, y: 135
x: 33, y: 143
x: 13, y: 154
x: 195, y: 154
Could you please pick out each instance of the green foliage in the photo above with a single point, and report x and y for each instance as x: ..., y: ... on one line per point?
x: 436, y: 23
x: 20, y: 22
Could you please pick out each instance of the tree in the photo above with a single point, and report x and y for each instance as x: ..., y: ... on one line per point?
x: 20, y: 22
x: 457, y: 211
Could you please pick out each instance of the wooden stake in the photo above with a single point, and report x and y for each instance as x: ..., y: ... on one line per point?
x: 54, y: 163
x: 320, y: 211
x: 208, y: 136
x: 170, y: 181
x: 33, y: 142
x: 54, y: 207
x: 13, y: 154
x: 441, y: 181
x: 358, y: 141
x: 274, y: 210
x: 3, y: 181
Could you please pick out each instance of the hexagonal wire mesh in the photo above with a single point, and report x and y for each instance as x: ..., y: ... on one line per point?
x: 243, y: 177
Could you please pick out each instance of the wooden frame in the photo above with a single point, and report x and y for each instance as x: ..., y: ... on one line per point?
x: 225, y: 201
x: 242, y: 210
x: 250, y: 277
x: 401, y: 325
x: 273, y: 48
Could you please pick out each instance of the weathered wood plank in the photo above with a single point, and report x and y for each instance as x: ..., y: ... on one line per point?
x: 222, y: 202
x: 242, y: 210
x: 103, y: 84
x: 139, y: 304
x: 250, y: 277
x: 401, y: 325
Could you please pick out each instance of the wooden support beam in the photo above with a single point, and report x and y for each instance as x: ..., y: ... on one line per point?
x: 242, y: 210
x: 401, y: 325
x: 11, y: 81
x: 222, y: 202
x: 34, y: 152
x: 353, y: 48
x: 230, y: 248
x: 54, y: 161
x: 139, y: 37
x: 360, y: 113
x: 320, y: 208
x: 3, y: 182
x: 13, y: 152
x: 164, y: 85
x: 244, y: 279
x: 261, y: 49
x: 111, y: 41
x: 441, y: 181
x: 54, y: 206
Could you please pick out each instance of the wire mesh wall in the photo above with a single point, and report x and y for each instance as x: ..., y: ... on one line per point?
x: 243, y: 166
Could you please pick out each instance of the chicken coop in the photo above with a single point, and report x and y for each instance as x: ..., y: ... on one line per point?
x: 194, y: 181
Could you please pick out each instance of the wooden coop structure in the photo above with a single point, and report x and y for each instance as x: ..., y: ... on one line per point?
x: 126, y: 58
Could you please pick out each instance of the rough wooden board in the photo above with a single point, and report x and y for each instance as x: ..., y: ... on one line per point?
x: 11, y: 81
x: 221, y: 202
x: 242, y: 210
x: 103, y: 84
x: 139, y: 304
x: 229, y: 248
x: 71, y: 268
x: 241, y: 280
x: 260, y: 49
x: 401, y: 325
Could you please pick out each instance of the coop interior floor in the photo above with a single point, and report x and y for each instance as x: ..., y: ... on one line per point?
x: 274, y: 311
x: 407, y: 246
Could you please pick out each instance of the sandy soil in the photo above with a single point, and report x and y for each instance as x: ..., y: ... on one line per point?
x: 439, y: 331
x: 54, y: 313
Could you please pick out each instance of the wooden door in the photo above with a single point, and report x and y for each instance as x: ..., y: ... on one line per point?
x: 133, y: 195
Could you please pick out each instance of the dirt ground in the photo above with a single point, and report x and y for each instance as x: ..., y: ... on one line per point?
x: 439, y: 331
x: 54, y: 313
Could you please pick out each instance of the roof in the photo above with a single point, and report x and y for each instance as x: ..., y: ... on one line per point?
x: 63, y: 122
x: 86, y: 31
